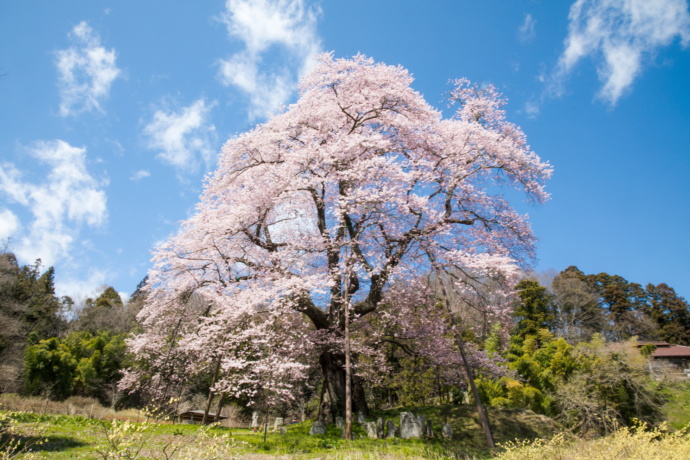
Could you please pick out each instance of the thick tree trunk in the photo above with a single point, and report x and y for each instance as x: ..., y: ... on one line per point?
x: 481, y: 410
x: 333, y: 395
x: 210, y: 393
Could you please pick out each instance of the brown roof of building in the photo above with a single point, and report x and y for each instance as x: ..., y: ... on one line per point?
x: 199, y: 414
x: 672, y: 351
x: 656, y: 344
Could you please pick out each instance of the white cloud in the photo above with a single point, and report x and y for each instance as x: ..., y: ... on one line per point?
x: 526, y: 31
x: 81, y: 289
x: 183, y: 136
x: 620, y: 35
x: 9, y: 224
x: 261, y: 25
x: 86, y: 72
x: 138, y: 175
x: 124, y: 296
x: 68, y: 199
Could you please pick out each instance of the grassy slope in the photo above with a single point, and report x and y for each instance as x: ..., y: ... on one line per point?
x: 677, y: 403
x: 79, y: 437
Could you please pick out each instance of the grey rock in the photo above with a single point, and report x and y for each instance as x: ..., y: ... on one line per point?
x: 360, y: 417
x: 447, y: 431
x: 278, y: 423
x: 379, y: 427
x: 255, y: 419
x: 340, y: 422
x: 317, y: 428
x: 372, y: 432
x: 420, y: 420
x: 282, y: 430
x: 392, y: 430
x: 409, y: 426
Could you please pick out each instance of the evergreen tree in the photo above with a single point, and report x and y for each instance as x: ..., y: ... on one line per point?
x: 625, y: 303
x: 533, y: 312
x: 106, y: 313
x: 577, y: 313
x: 670, y: 312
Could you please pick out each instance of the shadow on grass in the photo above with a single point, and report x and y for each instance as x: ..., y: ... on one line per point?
x: 42, y: 443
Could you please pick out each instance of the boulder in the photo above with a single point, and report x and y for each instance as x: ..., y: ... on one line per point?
x: 379, y: 427
x: 317, y: 428
x: 392, y: 430
x: 409, y: 426
x: 447, y: 431
x: 372, y: 432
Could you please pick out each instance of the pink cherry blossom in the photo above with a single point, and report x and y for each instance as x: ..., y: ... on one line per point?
x: 360, y: 183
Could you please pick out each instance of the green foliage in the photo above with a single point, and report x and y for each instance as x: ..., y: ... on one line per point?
x: 647, y: 350
x: 49, y: 368
x: 532, y: 313
x: 595, y: 386
x: 618, y: 309
x: 670, y: 312
x: 29, y: 312
x: 538, y: 370
x: 82, y: 364
x: 37, y: 292
x: 416, y: 381
x: 109, y: 298
x: 612, y: 388
x: 577, y: 313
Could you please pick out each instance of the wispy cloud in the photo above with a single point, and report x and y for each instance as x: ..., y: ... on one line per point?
x: 620, y: 35
x: 9, y: 224
x: 68, y: 199
x: 289, y: 25
x: 526, y: 32
x: 183, y: 137
x: 86, y: 71
x: 532, y: 109
x: 138, y: 175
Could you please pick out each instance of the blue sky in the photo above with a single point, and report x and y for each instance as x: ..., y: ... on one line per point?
x: 113, y: 112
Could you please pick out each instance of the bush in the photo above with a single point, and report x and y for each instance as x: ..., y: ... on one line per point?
x: 635, y: 442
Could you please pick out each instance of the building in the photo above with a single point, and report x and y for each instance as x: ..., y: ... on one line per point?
x: 197, y: 416
x: 677, y: 355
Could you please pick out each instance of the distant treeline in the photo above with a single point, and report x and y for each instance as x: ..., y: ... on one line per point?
x: 576, y: 306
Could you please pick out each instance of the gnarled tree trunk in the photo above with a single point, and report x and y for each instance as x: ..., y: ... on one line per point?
x: 332, y: 402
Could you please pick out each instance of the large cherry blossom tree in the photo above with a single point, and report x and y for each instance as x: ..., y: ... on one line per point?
x: 357, y: 185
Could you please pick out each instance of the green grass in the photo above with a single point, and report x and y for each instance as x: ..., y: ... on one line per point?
x: 69, y: 437
x: 507, y: 424
x: 78, y: 438
x: 677, y: 403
